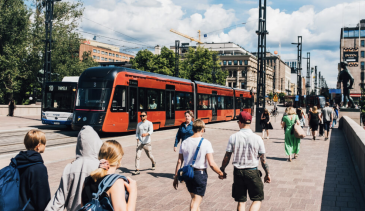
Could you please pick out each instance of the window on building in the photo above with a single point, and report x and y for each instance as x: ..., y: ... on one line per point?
x: 110, y: 54
x: 345, y: 33
x: 94, y: 50
x: 102, y: 58
x: 229, y: 62
x: 362, y: 66
x: 110, y: 60
x: 235, y: 62
x: 234, y: 73
x: 243, y: 73
x: 362, y: 43
x: 243, y: 86
x: 98, y: 57
x: 240, y: 62
x: 224, y: 62
x: 362, y: 33
x: 113, y: 54
x: 246, y: 62
x: 102, y: 52
x: 362, y: 54
x: 234, y: 85
x: 351, y: 33
x: 98, y: 51
x: 94, y: 57
x: 117, y: 60
x: 229, y: 84
x: 230, y: 73
x: 356, y: 33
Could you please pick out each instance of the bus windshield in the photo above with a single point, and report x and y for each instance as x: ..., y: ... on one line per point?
x: 92, y: 98
x: 59, y: 101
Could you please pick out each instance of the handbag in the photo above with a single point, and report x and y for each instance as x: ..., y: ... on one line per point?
x: 186, y: 173
x: 297, y: 130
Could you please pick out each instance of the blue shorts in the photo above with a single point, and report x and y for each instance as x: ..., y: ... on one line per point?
x: 327, y: 125
x: 198, y: 185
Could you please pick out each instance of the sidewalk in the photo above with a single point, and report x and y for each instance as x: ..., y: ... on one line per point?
x: 322, y: 178
x: 17, y: 122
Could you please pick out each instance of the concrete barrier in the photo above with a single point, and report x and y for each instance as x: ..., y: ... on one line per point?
x: 22, y: 110
x: 355, y: 137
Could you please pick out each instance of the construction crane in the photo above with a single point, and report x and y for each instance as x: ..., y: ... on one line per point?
x: 186, y: 36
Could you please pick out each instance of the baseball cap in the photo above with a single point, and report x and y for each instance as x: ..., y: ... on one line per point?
x: 245, y: 117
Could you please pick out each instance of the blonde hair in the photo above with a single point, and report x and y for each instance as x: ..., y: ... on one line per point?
x: 33, y: 138
x: 315, y: 110
x: 265, y: 110
x: 111, y: 151
x: 198, y: 125
x: 190, y: 113
x: 291, y: 111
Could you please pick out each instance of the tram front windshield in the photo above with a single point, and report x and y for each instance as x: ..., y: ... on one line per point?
x: 92, y: 98
x: 59, y: 98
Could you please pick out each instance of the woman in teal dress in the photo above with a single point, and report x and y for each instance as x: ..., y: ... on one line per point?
x: 291, y: 143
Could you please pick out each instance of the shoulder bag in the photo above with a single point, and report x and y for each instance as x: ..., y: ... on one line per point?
x: 186, y: 173
x: 297, y: 130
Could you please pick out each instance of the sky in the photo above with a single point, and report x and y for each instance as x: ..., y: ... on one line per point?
x: 137, y: 24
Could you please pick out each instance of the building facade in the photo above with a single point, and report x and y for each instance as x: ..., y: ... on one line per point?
x: 352, y: 50
x: 102, y: 52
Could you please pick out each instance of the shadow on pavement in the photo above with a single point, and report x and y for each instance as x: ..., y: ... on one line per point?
x: 341, y: 188
x: 275, y: 158
x: 166, y: 175
x: 278, y: 142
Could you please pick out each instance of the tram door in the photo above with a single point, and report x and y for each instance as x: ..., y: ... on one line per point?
x: 170, y: 107
x: 132, y: 105
x: 214, y: 106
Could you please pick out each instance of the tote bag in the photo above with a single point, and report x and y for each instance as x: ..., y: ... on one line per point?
x: 297, y: 130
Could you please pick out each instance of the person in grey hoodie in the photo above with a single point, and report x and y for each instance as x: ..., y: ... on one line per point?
x: 68, y: 194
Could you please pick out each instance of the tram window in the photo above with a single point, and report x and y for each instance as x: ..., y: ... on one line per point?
x: 238, y: 103
x: 183, y: 101
x: 221, y: 101
x: 155, y: 100
x: 228, y: 102
x: 204, y: 102
x: 119, y: 98
x: 141, y: 99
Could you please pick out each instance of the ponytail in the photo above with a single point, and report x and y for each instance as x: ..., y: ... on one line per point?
x: 110, y: 154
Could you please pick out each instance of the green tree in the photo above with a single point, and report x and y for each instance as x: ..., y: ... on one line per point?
x: 281, y: 96
x: 271, y: 95
x: 14, y: 28
x: 198, y: 65
x: 143, y: 60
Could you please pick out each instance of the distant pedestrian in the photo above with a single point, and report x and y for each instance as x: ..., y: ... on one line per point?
x: 265, y: 123
x: 33, y: 184
x: 335, y: 115
x: 12, y: 107
x: 110, y: 158
x: 292, y: 144
x: 321, y: 125
x: 327, y: 116
x: 68, y: 194
x: 301, y: 117
x: 248, y: 148
x: 185, y: 129
x: 313, y: 119
x: 143, y: 135
x: 198, y: 184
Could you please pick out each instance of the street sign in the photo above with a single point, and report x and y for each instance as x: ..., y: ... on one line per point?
x: 275, y: 98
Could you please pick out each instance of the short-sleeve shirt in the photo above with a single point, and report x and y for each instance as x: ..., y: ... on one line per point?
x: 327, y: 111
x: 188, y: 148
x: 246, y: 147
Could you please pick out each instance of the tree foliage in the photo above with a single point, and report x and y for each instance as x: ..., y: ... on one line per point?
x: 22, y: 35
x: 197, y: 64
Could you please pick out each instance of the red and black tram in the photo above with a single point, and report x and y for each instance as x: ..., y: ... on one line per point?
x: 110, y: 99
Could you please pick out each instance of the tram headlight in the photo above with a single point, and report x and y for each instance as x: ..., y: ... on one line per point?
x: 44, y: 116
x: 70, y: 118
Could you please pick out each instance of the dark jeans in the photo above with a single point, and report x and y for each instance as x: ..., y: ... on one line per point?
x: 321, y: 131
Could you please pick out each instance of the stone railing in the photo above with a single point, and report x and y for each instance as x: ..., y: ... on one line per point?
x: 355, y: 137
x: 22, y: 110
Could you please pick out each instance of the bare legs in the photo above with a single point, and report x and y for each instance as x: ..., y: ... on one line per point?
x: 255, y: 206
x: 314, y: 134
x: 195, y: 202
x: 263, y: 134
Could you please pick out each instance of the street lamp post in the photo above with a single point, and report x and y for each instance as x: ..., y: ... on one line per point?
x: 299, y: 70
x: 307, y: 83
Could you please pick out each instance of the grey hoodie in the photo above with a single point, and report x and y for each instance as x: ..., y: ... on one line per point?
x: 68, y: 194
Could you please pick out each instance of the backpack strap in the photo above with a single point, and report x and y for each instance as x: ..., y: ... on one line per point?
x: 107, y: 182
x: 197, y: 150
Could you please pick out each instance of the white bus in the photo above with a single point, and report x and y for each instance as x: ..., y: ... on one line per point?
x: 60, y: 101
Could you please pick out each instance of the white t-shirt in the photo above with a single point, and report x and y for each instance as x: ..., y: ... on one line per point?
x: 246, y: 147
x: 188, y: 148
x: 144, y: 127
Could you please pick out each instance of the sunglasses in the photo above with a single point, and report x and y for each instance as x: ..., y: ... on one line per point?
x: 143, y: 115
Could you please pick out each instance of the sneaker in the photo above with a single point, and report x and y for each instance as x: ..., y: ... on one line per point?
x: 136, y: 172
x: 153, y: 166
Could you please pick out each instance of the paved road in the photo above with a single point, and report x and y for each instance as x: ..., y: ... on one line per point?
x: 322, y: 178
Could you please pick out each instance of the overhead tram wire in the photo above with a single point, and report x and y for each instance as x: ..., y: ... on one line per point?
x: 113, y: 30
x: 98, y: 35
